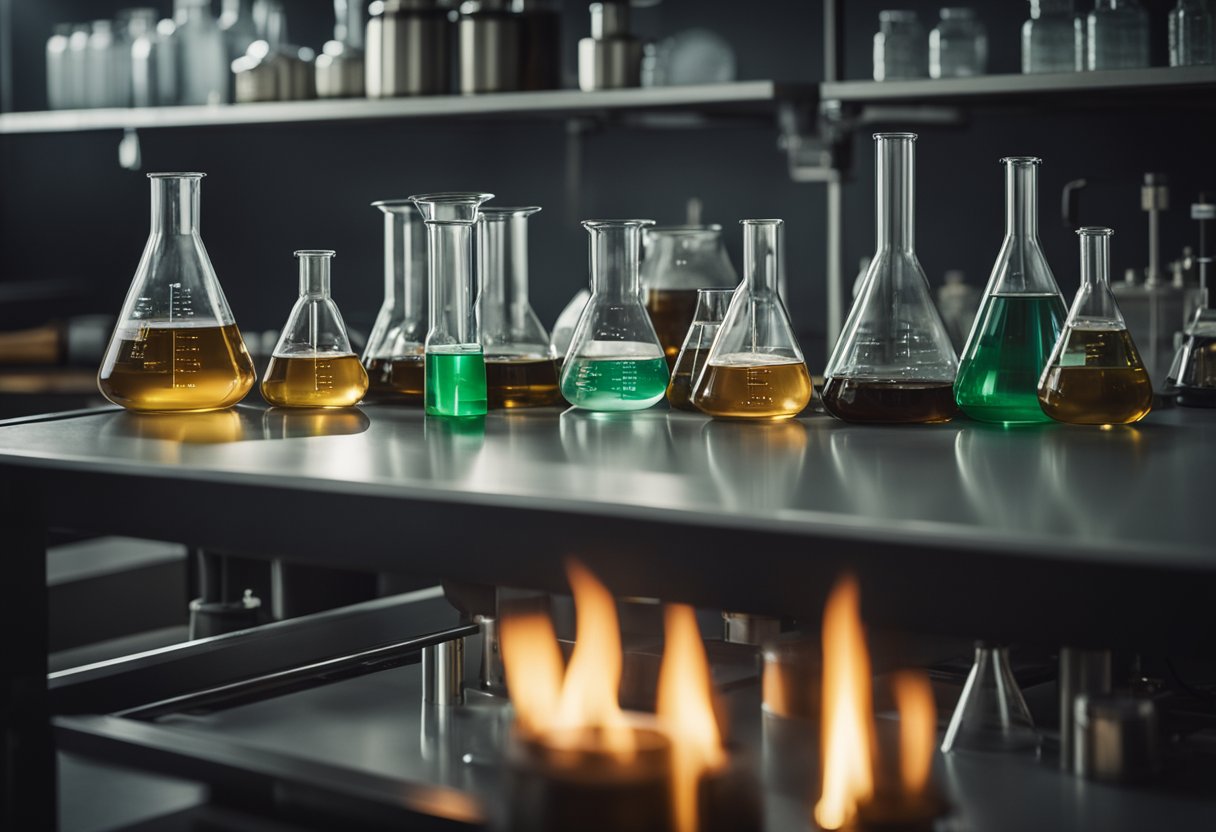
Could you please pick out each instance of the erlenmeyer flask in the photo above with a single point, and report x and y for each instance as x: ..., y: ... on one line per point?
x: 615, y: 361
x: 680, y: 260
x: 567, y: 320
x: 176, y: 346
x: 755, y: 368
x: 394, y: 353
x: 991, y: 714
x: 1095, y: 375
x: 893, y: 362
x: 521, y: 370
x: 1192, y: 377
x: 706, y: 321
x: 313, y: 364
x: 1020, y: 318
x: 455, y: 365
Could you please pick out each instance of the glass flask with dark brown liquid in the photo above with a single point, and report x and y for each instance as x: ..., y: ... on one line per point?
x: 521, y: 368
x: 707, y: 320
x: 394, y: 356
x: 893, y: 362
x: 176, y: 346
x: 680, y: 260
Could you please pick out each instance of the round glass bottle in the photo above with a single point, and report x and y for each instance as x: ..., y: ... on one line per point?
x: 755, y: 368
x: 176, y: 346
x: 394, y: 355
x: 615, y: 361
x: 521, y: 369
x: 679, y: 261
x: 893, y: 362
x: 313, y: 364
x: 1020, y: 317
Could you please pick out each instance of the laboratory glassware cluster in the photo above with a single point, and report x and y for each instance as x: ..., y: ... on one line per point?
x: 462, y: 340
x: 1114, y: 34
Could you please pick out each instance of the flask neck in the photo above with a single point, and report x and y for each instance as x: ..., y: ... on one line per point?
x: 761, y: 255
x: 451, y: 283
x: 175, y: 204
x: 1021, y: 198
x: 614, y: 259
x: 502, y: 259
x: 1095, y: 258
x: 314, y: 273
x: 1095, y: 301
x: 895, y: 184
x: 404, y: 251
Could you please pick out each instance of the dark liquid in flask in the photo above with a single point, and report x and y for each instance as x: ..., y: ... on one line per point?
x: 179, y: 369
x: 1199, y: 389
x: 671, y: 314
x: 890, y: 402
x: 521, y: 381
x: 396, y: 380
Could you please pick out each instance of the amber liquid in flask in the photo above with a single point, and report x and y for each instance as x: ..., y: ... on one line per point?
x: 754, y: 387
x: 314, y: 381
x: 179, y: 369
x: 1111, y: 387
x: 521, y: 382
x: 671, y: 313
x: 396, y: 379
x: 879, y: 401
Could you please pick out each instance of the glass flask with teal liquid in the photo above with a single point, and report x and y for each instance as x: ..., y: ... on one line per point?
x: 615, y: 361
x: 1020, y: 318
x: 455, y: 367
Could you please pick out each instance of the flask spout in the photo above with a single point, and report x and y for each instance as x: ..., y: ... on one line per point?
x: 1021, y: 196
x: 615, y: 254
x: 895, y: 171
x: 175, y: 202
x: 314, y: 272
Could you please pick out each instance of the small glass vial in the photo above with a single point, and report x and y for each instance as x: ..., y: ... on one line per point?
x: 1048, y: 37
x: 958, y: 45
x: 1116, y: 35
x: 900, y: 47
x: 313, y: 364
x: 1191, y: 39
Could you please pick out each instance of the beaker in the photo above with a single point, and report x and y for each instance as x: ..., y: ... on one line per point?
x: 680, y: 260
x: 1094, y: 375
x: 521, y: 368
x: 313, y: 364
x: 615, y: 361
x: 176, y: 345
x: 455, y: 375
x: 755, y: 369
x: 394, y: 354
x: 1020, y: 318
x: 893, y: 362
x: 706, y: 321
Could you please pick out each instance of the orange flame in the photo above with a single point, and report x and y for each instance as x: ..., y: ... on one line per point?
x: 846, y: 728
x: 917, y: 730
x: 685, y: 708
x: 533, y: 665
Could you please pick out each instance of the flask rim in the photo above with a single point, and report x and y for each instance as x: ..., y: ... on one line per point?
x: 773, y: 221
x: 684, y: 230
x: 498, y: 213
x: 314, y: 252
x: 908, y: 136
x: 1021, y: 160
x: 1095, y: 231
x: 633, y: 223
x: 177, y: 175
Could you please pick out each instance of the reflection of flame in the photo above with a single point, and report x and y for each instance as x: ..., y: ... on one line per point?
x: 533, y: 664
x: 685, y: 707
x: 917, y: 730
x: 587, y: 697
x: 846, y: 727
x: 772, y: 685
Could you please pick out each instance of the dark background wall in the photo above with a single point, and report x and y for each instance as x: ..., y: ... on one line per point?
x: 68, y: 210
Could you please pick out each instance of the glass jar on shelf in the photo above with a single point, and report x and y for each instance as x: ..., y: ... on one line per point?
x: 900, y: 47
x: 1048, y: 37
x: 1191, y: 33
x: 958, y: 45
x: 1116, y: 35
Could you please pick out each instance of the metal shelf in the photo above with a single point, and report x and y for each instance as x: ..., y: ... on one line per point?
x: 739, y: 98
x: 1191, y: 81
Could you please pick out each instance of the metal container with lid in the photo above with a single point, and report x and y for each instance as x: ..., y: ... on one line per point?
x: 611, y: 58
x: 340, y: 68
x: 408, y: 49
x: 490, y: 40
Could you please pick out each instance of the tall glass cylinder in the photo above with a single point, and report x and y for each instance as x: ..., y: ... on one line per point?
x: 455, y: 364
x: 1191, y: 33
x: 394, y: 355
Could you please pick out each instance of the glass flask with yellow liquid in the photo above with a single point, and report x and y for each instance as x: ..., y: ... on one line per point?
x: 614, y: 362
x: 313, y: 364
x: 176, y: 346
x: 681, y: 259
x: 893, y: 362
x: 521, y: 367
x: 1095, y: 375
x: 755, y: 368
x: 706, y: 321
x: 394, y: 356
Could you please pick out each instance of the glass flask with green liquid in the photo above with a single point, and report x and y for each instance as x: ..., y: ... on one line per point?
x: 1020, y: 318
x: 455, y: 367
x: 615, y: 361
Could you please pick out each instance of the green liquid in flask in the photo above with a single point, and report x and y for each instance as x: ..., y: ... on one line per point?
x: 998, y: 377
x: 456, y: 382
x: 615, y: 383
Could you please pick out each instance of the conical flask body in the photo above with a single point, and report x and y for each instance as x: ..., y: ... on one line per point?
x: 1020, y: 318
x: 1192, y: 377
x: 313, y: 364
x: 991, y: 714
x: 1095, y: 375
x: 893, y: 362
x: 176, y: 346
x: 755, y: 369
x: 712, y: 305
x: 393, y: 356
x: 615, y: 361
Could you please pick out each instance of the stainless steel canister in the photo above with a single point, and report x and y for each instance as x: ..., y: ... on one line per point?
x: 489, y: 40
x: 611, y: 58
x: 1116, y: 737
x: 408, y: 49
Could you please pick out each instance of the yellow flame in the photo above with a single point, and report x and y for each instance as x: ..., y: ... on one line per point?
x: 685, y: 708
x: 847, y: 706
x: 533, y: 665
x: 917, y: 729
